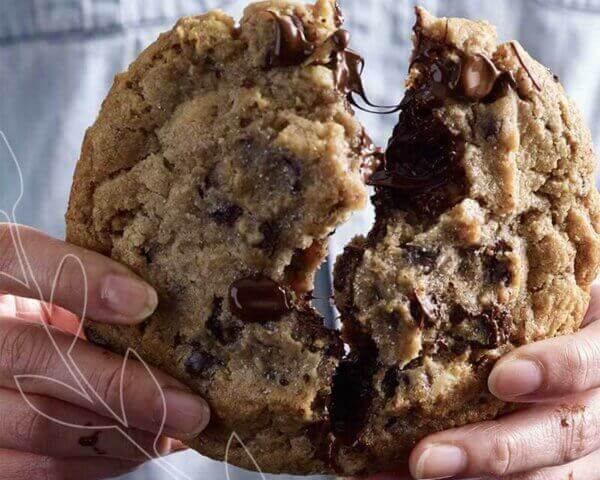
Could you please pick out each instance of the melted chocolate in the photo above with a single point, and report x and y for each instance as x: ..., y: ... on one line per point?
x: 525, y: 67
x: 479, y: 77
x: 423, y: 158
x: 423, y: 152
x: 372, y: 156
x: 258, y: 299
x: 338, y: 15
x: 348, y: 67
x: 291, y: 46
x: 352, y: 392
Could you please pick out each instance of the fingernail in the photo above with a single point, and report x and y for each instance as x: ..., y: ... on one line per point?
x: 516, y: 378
x: 128, y: 297
x: 186, y: 414
x: 440, y: 461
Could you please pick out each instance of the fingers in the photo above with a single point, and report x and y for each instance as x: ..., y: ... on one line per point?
x: 26, y: 466
x: 114, y: 294
x: 25, y: 349
x: 549, y: 434
x: 47, y: 427
x: 35, y: 311
x: 584, y: 469
x: 593, y: 312
x: 549, y: 369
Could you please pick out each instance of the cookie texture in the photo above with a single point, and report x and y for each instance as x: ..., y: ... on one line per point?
x: 486, y: 238
x: 219, y: 164
x: 226, y: 155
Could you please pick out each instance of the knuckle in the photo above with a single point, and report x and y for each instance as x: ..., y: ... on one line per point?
x: 580, y: 432
x: 502, y: 454
x: 107, y: 383
x: 24, y: 348
x: 34, y: 430
x: 6, y: 248
x: 579, y: 356
x: 49, y: 469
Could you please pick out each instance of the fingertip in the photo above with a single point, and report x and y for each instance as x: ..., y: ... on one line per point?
x: 515, y: 378
x: 186, y: 415
x: 127, y: 299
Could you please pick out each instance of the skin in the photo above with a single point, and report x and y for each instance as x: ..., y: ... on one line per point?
x: 34, y: 446
x: 555, y: 436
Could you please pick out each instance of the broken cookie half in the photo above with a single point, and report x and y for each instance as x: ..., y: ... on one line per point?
x: 486, y: 238
x: 219, y: 165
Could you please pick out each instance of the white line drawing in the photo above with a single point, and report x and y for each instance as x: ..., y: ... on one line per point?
x: 235, y: 436
x: 12, y: 172
x: 82, y: 387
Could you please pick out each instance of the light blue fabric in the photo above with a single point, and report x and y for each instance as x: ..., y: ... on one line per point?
x: 58, y: 59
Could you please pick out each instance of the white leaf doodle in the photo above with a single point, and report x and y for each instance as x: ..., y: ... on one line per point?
x: 232, y: 437
x: 10, y: 172
x: 12, y: 193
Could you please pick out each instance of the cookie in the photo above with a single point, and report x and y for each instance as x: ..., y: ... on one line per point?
x: 219, y: 165
x: 486, y: 238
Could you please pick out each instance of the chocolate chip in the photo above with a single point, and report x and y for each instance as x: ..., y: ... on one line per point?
x: 270, y: 237
x: 496, y: 265
x: 291, y: 46
x: 95, y: 338
x: 279, y: 169
x: 417, y: 255
x: 423, y: 311
x: 225, y: 333
x: 200, y: 364
x: 489, y: 329
x: 178, y: 339
x: 210, y: 65
x: 277, y: 377
x: 148, y: 252
x: 244, y: 122
x: 415, y: 363
x: 352, y: 392
x: 258, y: 299
x: 226, y: 214
x: 490, y: 127
x: 423, y: 171
x: 496, y: 324
x: 390, y: 382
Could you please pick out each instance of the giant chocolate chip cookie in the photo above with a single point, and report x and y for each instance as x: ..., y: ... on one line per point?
x: 486, y: 238
x: 226, y: 155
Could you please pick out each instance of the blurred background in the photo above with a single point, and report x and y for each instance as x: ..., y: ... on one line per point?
x: 58, y: 59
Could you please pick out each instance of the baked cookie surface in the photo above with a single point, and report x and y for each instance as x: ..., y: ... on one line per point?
x: 226, y: 155
x: 219, y: 165
x: 486, y: 238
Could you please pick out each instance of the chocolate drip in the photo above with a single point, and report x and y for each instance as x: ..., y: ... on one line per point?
x: 258, y: 299
x: 473, y: 77
x: 352, y: 392
x: 422, y: 153
x: 338, y: 15
x: 348, y: 67
x: 525, y: 67
x: 291, y: 46
x: 372, y: 156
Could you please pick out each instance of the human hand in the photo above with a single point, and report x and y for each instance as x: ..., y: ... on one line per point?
x: 35, y: 446
x: 555, y: 437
